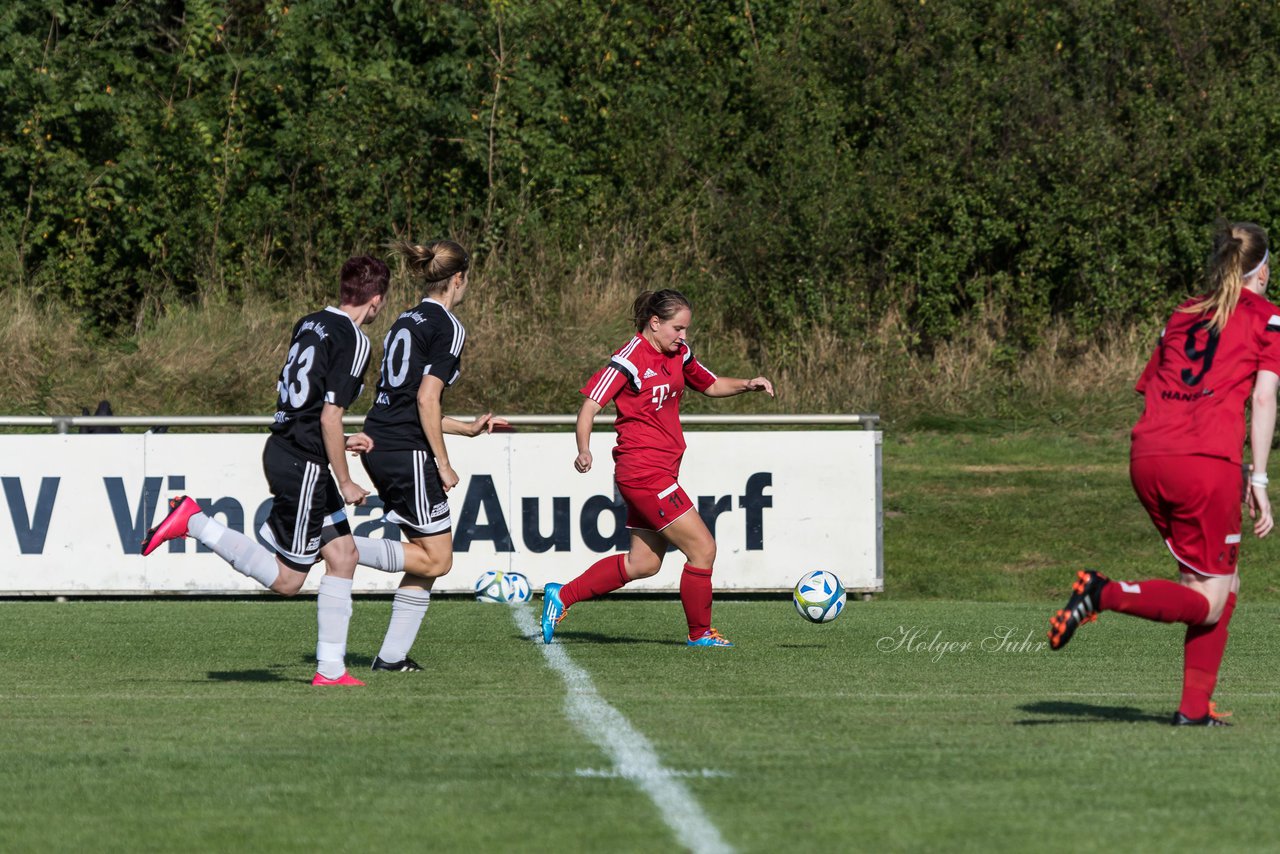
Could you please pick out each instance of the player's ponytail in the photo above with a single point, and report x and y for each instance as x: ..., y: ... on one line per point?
x: 432, y: 265
x: 661, y: 304
x: 1239, y: 253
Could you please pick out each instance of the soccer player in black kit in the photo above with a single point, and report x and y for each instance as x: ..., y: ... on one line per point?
x: 409, y: 463
x: 306, y: 469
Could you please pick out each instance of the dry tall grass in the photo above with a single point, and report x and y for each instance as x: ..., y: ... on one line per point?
x: 538, y: 328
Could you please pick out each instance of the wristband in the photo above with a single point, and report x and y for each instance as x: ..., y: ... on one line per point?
x: 1258, y: 478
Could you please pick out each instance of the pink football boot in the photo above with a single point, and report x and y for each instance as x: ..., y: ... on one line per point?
x: 173, y: 526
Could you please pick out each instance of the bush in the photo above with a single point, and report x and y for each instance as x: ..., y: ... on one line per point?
x: 1021, y: 166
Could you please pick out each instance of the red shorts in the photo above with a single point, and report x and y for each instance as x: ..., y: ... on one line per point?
x: 653, y: 505
x: 1194, y: 502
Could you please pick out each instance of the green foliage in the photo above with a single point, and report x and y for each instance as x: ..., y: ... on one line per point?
x: 1012, y: 163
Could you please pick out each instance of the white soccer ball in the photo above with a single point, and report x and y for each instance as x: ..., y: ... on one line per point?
x: 515, y: 588
x: 489, y: 587
x: 819, y: 596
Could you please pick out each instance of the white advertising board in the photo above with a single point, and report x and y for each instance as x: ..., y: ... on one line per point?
x: 779, y: 503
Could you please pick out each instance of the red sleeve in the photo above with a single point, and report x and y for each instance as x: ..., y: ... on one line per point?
x: 696, y: 375
x: 1269, y: 346
x: 604, y: 384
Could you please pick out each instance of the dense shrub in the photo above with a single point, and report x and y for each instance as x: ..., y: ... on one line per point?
x: 1017, y: 163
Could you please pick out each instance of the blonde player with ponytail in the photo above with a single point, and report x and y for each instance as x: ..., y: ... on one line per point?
x: 1218, y: 354
x: 408, y: 460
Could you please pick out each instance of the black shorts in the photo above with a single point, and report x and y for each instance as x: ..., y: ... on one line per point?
x: 409, y: 485
x: 307, y: 510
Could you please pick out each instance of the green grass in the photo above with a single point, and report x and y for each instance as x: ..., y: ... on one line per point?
x: 1010, y: 517
x: 176, y: 725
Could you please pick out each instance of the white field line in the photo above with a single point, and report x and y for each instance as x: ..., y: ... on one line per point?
x: 614, y: 774
x: 632, y: 754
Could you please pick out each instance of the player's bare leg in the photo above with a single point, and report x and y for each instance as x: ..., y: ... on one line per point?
x: 425, y: 560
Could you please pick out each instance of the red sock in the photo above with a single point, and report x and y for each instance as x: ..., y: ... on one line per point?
x: 1203, y: 656
x: 695, y: 596
x: 604, y: 576
x: 1156, y: 599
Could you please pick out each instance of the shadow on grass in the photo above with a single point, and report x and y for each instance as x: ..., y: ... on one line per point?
x: 1085, y: 713
x: 594, y: 637
x: 246, y: 676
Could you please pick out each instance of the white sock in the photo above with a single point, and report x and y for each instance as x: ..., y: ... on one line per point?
x: 333, y: 616
x: 383, y: 554
x: 407, y: 610
x: 243, y: 553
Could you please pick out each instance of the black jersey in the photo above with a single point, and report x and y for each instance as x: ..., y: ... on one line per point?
x: 425, y: 340
x: 327, y: 360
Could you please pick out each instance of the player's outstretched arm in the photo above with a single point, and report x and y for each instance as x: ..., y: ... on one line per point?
x: 586, y: 417
x: 359, y: 443
x: 335, y: 443
x: 480, y: 424
x: 729, y: 386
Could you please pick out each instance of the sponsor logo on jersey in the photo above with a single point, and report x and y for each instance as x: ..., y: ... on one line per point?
x: 660, y: 394
x: 314, y: 326
x: 1184, y: 397
x: 650, y: 372
x: 416, y: 316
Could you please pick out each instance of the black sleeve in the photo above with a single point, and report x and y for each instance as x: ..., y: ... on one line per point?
x: 442, y: 353
x: 347, y: 364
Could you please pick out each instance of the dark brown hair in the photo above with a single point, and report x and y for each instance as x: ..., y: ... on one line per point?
x: 663, y: 304
x: 1239, y: 249
x: 363, y: 278
x: 434, y: 264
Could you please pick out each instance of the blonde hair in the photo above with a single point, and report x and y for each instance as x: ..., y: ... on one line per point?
x: 432, y: 265
x: 1239, y: 250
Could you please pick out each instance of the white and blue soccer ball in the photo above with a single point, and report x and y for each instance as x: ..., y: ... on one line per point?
x: 819, y: 596
x: 515, y: 588
x: 489, y: 587
x: 511, y: 588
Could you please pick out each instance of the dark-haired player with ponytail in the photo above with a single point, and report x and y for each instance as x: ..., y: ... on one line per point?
x: 646, y: 379
x: 1217, y: 354
x: 409, y: 463
x: 322, y: 376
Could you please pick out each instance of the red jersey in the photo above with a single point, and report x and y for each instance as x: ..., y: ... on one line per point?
x: 1198, y: 380
x: 646, y: 386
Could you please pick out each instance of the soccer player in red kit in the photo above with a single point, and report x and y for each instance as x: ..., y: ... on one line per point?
x: 646, y: 380
x: 1217, y: 353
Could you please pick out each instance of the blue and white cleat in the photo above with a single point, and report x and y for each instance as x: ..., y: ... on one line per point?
x: 711, y: 638
x: 552, y: 610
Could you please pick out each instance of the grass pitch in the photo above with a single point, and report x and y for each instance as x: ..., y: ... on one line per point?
x: 189, y: 725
